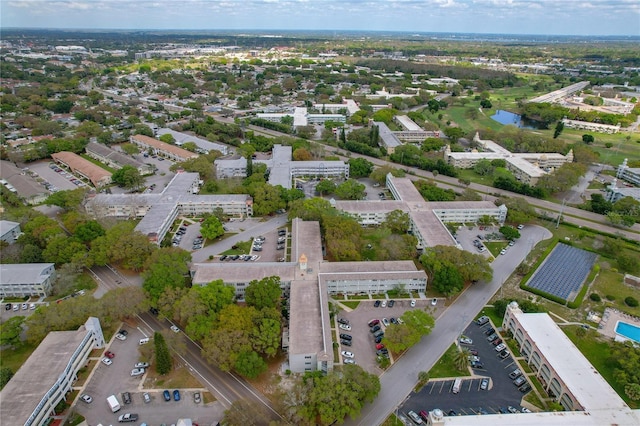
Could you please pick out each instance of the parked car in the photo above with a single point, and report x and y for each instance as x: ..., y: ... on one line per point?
x: 383, y: 304
x: 106, y: 361
x: 128, y: 417
x: 121, y: 336
x: 525, y: 388
x: 477, y: 365
x: 345, y: 336
x: 146, y: 397
x: 512, y: 409
x: 123, y: 332
x: 489, y: 331
x: 166, y: 395
x: 413, y: 303
x: 519, y: 381
x: 349, y: 361
x: 415, y: 417
x: 126, y: 397
x: 137, y: 372
x: 347, y: 354
x: 482, y: 320
x: 345, y: 342
x: 379, y: 346
x: 345, y: 327
x: 375, y: 328
x: 504, y: 354
x: 393, y: 320
x: 109, y: 354
x: 434, y: 301
x: 465, y: 340
x: 497, y: 342
x: 492, y: 337
x: 500, y: 347
x: 86, y: 398
x: 343, y: 321
x: 391, y: 303
x: 515, y: 373
x: 141, y: 365
x: 484, y: 384
x: 373, y: 322
x: 197, y: 398
x: 175, y: 329
x: 176, y: 395
x: 376, y: 304
x: 385, y: 322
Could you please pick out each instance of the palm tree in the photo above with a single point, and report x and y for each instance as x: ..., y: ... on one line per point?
x: 461, y: 359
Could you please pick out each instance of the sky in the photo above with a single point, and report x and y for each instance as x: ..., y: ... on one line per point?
x: 553, y: 17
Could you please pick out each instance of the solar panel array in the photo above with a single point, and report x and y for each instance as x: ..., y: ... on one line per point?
x: 563, y: 271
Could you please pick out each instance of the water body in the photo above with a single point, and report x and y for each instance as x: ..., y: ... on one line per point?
x: 506, y: 117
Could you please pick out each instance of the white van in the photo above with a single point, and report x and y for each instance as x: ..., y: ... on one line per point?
x: 144, y: 341
x: 457, y: 384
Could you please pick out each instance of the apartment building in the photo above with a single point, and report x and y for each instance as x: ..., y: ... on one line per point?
x: 26, y: 279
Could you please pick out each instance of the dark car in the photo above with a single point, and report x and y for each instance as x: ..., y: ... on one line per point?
x: 343, y: 321
x: 477, y: 365
x: 497, y: 342
x: 503, y: 354
x: 376, y: 304
x: 166, y: 395
x: 393, y: 320
x: 519, y: 381
x: 153, y: 311
x: 492, y: 337
x: 391, y: 303
x: 126, y: 397
x: 375, y: 328
x: 373, y: 322
x: 282, y: 232
x: 223, y: 257
x: 378, y: 339
x: 129, y: 417
x: 473, y: 352
x: 345, y: 336
x: 345, y: 342
x: 124, y: 332
x: 525, y: 388
x: 489, y: 331
x: 176, y: 395
x: 197, y: 398
x: 7, y: 306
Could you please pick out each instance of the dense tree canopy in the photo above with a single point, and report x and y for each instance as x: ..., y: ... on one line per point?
x: 265, y: 293
x: 211, y: 228
x: 166, y: 267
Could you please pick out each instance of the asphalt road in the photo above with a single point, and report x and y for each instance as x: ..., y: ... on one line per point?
x: 400, y: 379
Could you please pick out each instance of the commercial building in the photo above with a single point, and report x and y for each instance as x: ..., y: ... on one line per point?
x: 115, y: 159
x: 98, y: 176
x: 48, y: 375
x: 426, y: 219
x: 282, y: 169
x: 9, y: 231
x: 157, y: 147
x: 527, y: 167
x: 21, y: 183
x: 565, y: 374
x: 26, y: 279
x: 308, y: 281
x: 629, y: 174
x: 158, y: 211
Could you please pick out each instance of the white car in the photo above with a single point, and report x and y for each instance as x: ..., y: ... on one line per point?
x: 141, y: 365
x: 385, y: 322
x: 347, y: 354
x: 86, y: 398
x: 346, y: 327
x: 137, y: 372
x: 175, y: 329
x: 413, y: 303
x: 121, y: 336
x: 106, y: 361
x: 349, y: 361
x: 384, y: 304
x: 434, y: 301
x: 501, y: 347
x: 466, y: 340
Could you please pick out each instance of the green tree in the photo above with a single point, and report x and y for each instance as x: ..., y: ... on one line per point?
x: 5, y: 375
x: 68, y: 200
x: 265, y: 293
x: 265, y: 337
x: 62, y: 249
x: 211, y: 228
x: 558, y: 130
x: 417, y: 323
x: 350, y: 190
x: 360, y: 167
x: 166, y: 267
x: 588, y: 139
x: 397, y: 221
x: 164, y: 363
x: 447, y: 279
x: 483, y: 167
x: 461, y: 360
x: 325, y: 187
x: 509, y: 232
x: 122, y: 245
x: 10, y: 332
x: 89, y: 231
x: 130, y: 149
x: 128, y: 177
x: 250, y: 364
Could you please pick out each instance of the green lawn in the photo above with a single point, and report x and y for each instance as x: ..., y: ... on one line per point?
x: 14, y: 358
x: 353, y: 304
x: 495, y: 246
x: 609, y: 283
x: 243, y: 247
x: 445, y: 366
x: 597, y: 352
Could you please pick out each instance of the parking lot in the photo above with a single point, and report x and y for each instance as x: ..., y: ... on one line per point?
x: 362, y: 344
x: 471, y: 399
x: 61, y: 181
x: 116, y: 379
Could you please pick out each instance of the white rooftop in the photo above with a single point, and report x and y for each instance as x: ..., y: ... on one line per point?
x: 182, y: 138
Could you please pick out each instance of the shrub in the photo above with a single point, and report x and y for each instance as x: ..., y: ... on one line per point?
x: 610, y: 297
x: 595, y: 297
x: 631, y: 301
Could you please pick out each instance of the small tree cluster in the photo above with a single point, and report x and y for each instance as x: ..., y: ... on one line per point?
x: 163, y: 356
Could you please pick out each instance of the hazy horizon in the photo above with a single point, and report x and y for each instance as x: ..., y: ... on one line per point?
x: 508, y: 17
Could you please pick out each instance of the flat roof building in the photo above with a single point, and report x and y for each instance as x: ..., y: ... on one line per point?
x: 301, y: 117
x: 26, y: 279
x: 98, y: 176
x: 22, y: 184
x: 629, y: 174
x: 203, y: 145
x: 48, y: 375
x: 9, y: 231
x: 614, y: 193
x: 115, y: 159
x: 158, y: 211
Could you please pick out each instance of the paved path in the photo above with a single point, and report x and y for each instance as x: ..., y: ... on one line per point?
x: 400, y: 379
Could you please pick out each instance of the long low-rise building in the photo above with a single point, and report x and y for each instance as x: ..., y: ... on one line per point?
x: 157, y: 147
x: 527, y: 167
x: 204, y: 146
x: 98, y: 176
x: 115, y: 159
x: 9, y: 231
x: 282, y: 169
x: 427, y: 218
x: 22, y: 184
x: 615, y: 193
x: 629, y: 174
x: 308, y: 280
x: 26, y: 279
x: 48, y: 375
x: 593, y: 127
x: 158, y: 211
x: 302, y: 117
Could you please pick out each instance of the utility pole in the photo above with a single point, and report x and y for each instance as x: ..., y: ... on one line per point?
x: 561, y: 211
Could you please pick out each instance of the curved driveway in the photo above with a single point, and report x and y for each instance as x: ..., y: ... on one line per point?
x: 397, y: 382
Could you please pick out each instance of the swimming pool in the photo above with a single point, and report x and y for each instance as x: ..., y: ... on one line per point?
x: 629, y: 331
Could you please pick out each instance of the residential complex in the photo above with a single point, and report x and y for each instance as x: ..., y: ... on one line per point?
x: 282, y: 169
x: 566, y: 375
x: 301, y: 117
x: 48, y: 375
x: 204, y: 146
x: 592, y: 127
x: 9, y: 231
x: 160, y: 148
x: 26, y: 279
x: 308, y: 280
x: 115, y: 159
x: 158, y: 211
x: 411, y: 132
x: 615, y: 193
x: 427, y: 219
x: 527, y: 167
x: 98, y: 176
x: 21, y: 183
x: 629, y: 174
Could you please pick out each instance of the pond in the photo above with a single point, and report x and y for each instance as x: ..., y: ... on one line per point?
x: 506, y: 117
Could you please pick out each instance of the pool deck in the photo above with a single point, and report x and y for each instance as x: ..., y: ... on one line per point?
x: 609, y: 320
